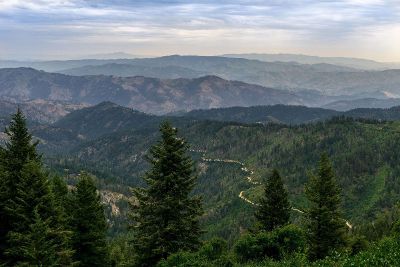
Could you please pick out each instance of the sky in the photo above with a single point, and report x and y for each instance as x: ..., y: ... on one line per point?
x: 61, y: 29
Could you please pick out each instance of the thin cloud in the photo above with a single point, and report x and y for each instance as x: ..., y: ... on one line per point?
x: 72, y: 25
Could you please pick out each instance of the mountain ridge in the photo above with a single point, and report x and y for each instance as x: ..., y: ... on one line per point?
x: 150, y: 95
x: 324, y: 77
x: 359, y: 63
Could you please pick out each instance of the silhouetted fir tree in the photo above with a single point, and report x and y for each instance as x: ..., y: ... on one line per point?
x: 18, y: 150
x: 26, y: 198
x: 88, y: 224
x: 326, y: 228
x: 274, y: 209
x: 165, y: 215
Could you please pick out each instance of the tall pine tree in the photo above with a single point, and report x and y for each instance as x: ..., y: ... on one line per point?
x: 18, y: 151
x: 33, y: 204
x: 26, y: 200
x: 274, y: 209
x: 326, y: 228
x: 88, y: 224
x: 165, y: 215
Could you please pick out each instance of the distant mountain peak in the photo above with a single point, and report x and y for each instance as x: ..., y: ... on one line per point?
x: 106, y: 104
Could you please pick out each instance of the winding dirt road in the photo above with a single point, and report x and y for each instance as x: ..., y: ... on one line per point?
x: 249, y: 178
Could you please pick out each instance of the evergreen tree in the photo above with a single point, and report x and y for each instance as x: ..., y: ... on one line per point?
x: 88, y: 224
x: 62, y: 202
x: 326, y: 228
x: 27, y: 203
x: 36, y: 246
x: 4, y: 196
x: 33, y: 208
x: 18, y: 151
x: 165, y: 215
x: 274, y: 209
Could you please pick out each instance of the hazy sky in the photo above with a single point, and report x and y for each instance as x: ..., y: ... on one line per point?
x: 73, y: 28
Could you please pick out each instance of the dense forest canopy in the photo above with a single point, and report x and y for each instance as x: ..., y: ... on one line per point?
x: 233, y: 162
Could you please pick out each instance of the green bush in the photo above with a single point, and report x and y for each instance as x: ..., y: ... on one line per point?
x: 396, y: 229
x: 358, y: 244
x: 213, y: 249
x: 282, y: 241
x: 290, y: 239
x: 385, y: 253
x: 182, y: 259
x: 212, y: 253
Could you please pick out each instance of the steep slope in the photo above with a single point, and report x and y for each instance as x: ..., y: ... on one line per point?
x: 105, y: 118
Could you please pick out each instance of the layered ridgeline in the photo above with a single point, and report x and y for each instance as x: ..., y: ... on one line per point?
x: 150, y: 95
x: 47, y: 96
x: 323, y: 77
x: 231, y: 159
x: 358, y: 63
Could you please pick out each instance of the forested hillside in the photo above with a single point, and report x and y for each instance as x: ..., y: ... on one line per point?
x: 291, y: 115
x: 367, y: 168
x: 111, y: 142
x: 232, y: 162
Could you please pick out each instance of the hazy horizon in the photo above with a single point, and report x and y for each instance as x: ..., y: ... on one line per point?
x: 65, y: 29
x: 127, y: 55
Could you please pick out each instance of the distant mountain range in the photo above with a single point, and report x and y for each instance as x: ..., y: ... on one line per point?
x: 150, y: 95
x: 128, y: 70
x: 326, y: 78
x: 160, y: 96
x: 358, y: 63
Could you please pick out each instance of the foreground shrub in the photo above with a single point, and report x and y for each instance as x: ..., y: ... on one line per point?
x: 282, y: 241
x: 212, y: 253
x: 357, y: 244
x: 385, y: 253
